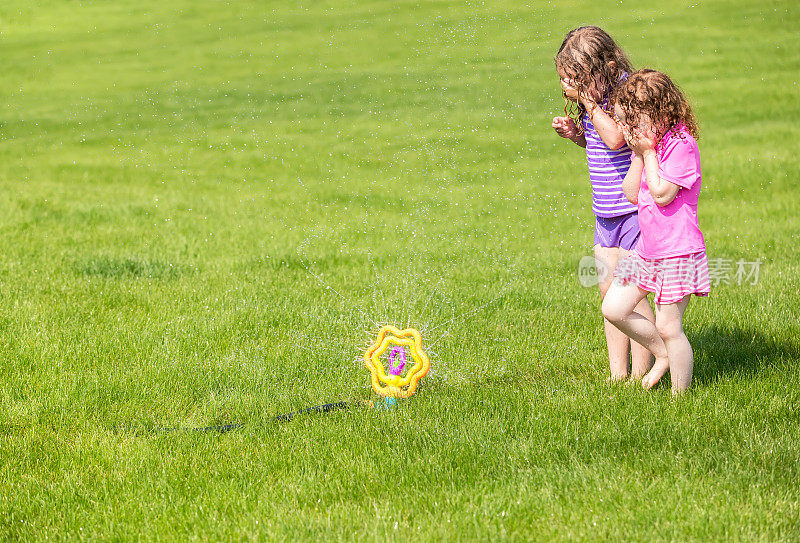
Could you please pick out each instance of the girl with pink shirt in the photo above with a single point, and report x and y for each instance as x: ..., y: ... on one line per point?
x: 670, y: 257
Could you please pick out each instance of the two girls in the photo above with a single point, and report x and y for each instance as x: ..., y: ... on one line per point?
x: 647, y: 235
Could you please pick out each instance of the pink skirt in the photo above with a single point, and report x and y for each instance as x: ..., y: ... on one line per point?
x: 671, y: 279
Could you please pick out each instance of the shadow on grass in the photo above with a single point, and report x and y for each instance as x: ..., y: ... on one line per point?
x: 721, y: 351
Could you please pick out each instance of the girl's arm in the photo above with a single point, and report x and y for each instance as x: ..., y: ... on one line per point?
x: 607, y: 128
x: 663, y: 191
x: 633, y: 180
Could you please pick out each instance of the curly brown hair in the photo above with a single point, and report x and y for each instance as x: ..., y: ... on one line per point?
x: 593, y: 60
x: 654, y: 94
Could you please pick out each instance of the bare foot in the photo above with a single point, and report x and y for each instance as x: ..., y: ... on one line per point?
x: 640, y: 370
x: 654, y: 375
x: 678, y: 391
x: 615, y: 378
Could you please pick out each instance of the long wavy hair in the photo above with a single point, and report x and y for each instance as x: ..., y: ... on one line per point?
x: 594, y: 61
x: 652, y: 93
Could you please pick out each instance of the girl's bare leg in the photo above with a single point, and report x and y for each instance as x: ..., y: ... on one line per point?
x: 619, y: 307
x: 618, y: 343
x: 669, y: 322
x: 641, y: 358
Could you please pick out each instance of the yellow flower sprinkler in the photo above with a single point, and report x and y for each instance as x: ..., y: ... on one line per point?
x: 394, y: 384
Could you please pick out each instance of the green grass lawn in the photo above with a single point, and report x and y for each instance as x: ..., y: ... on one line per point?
x: 207, y: 205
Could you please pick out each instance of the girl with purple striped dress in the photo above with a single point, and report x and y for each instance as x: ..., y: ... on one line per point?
x: 590, y: 67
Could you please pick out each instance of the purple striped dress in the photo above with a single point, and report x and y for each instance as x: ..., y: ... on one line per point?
x: 607, y: 169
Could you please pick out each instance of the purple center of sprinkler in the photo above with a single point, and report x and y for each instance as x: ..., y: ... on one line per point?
x: 397, y: 370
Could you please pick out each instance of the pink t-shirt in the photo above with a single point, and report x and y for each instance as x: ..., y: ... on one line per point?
x: 672, y: 230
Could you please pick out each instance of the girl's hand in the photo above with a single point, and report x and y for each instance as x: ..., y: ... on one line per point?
x: 640, y: 143
x: 588, y: 99
x: 565, y: 127
x: 569, y: 89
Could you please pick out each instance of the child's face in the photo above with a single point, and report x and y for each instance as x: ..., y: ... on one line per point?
x: 570, y: 87
x: 643, y: 128
x: 567, y: 85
